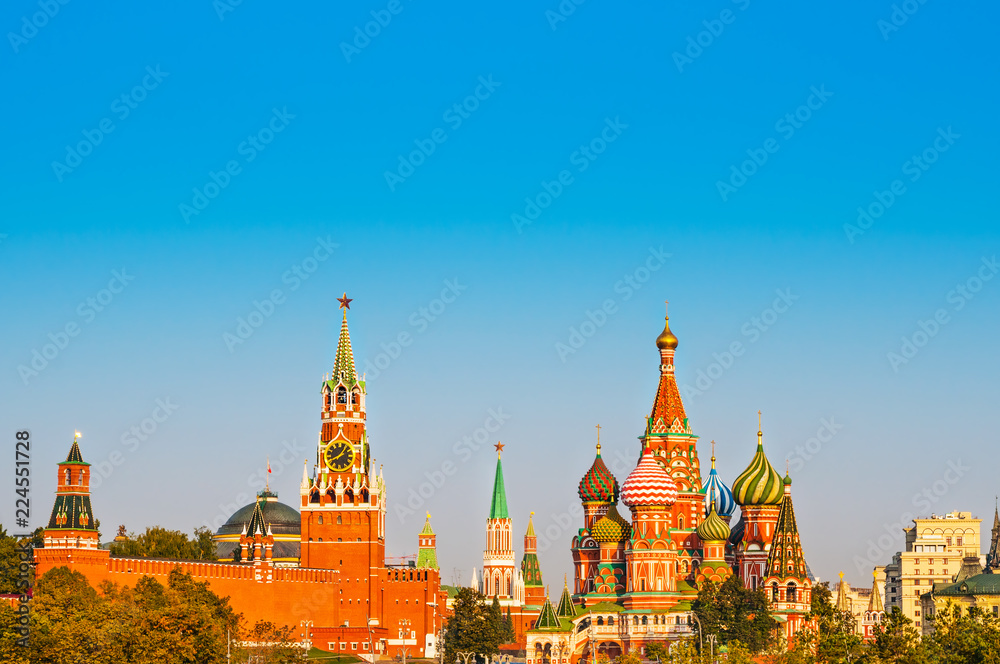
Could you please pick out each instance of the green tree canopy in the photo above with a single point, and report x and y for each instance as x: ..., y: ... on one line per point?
x: 159, y: 542
x: 473, y: 626
x: 735, y: 613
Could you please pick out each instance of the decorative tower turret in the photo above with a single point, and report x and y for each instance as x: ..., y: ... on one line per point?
x: 758, y: 490
x: 713, y: 533
x: 673, y: 444
x: 531, y: 570
x: 872, y: 621
x: 427, y: 549
x: 993, y: 558
x: 71, y: 536
x: 787, y: 582
x: 598, y: 491
x: 717, y: 493
x: 499, y: 575
x: 651, y: 557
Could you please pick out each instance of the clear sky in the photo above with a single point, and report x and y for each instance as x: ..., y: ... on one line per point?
x: 197, y: 157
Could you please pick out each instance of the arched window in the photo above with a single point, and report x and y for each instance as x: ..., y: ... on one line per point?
x: 340, y: 519
x: 356, y: 397
x: 67, y: 477
x: 790, y: 593
x: 79, y: 480
x: 600, y: 620
x: 341, y: 394
x: 635, y: 620
x: 774, y: 591
x: 680, y: 522
x: 611, y: 621
x: 645, y: 621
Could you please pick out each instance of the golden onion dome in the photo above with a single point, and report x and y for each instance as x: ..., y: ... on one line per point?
x: 611, y: 527
x: 666, y: 340
x: 713, y: 528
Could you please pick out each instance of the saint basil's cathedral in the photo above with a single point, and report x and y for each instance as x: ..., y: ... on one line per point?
x: 635, y: 575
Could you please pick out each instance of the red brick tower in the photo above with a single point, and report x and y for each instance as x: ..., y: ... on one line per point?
x: 71, y: 537
x: 500, y: 578
x: 343, y: 508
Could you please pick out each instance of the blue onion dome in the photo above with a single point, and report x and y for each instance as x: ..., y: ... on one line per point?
x: 713, y: 529
x: 760, y: 483
x: 611, y: 527
x: 717, y: 493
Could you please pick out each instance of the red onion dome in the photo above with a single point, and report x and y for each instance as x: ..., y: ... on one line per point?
x: 599, y: 485
x: 649, y: 484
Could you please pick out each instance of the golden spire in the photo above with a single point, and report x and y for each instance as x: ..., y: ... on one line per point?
x: 713, y: 454
x: 598, y: 438
x: 760, y: 430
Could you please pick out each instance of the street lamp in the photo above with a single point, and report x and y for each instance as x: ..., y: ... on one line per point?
x: 701, y: 642
x: 465, y: 656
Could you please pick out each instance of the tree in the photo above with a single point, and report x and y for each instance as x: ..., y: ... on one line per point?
x: 267, y: 643
x: 11, y: 551
x: 833, y: 636
x: 158, y: 542
x: 470, y: 628
x: 895, y: 639
x: 631, y: 657
x: 657, y: 652
x: 735, y: 613
x: 962, y: 636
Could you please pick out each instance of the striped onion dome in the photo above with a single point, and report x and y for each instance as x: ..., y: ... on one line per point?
x: 599, y: 485
x: 760, y: 483
x: 718, y: 493
x: 649, y: 484
x: 611, y: 527
x: 713, y: 529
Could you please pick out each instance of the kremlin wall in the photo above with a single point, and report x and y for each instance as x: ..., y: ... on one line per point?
x: 642, y: 550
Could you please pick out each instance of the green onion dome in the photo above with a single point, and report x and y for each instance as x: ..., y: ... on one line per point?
x: 713, y: 529
x: 611, y: 527
x: 599, y: 485
x: 760, y: 483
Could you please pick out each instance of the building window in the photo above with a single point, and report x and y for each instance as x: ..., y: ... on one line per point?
x: 343, y: 646
x: 947, y: 540
x: 340, y: 519
x: 319, y: 520
x: 959, y: 541
x: 916, y: 613
x: 354, y: 646
x: 320, y: 539
x: 339, y: 539
x: 916, y: 561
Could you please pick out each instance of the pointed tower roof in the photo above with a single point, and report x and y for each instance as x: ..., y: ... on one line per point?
x: 427, y: 526
x: 498, y: 506
x: 786, y: 558
x: 598, y: 485
x: 717, y: 493
x: 993, y: 557
x: 566, y: 608
x: 74, y: 455
x: 875, y: 599
x: 843, y: 601
x: 667, y: 405
x: 343, y: 363
x: 531, y: 526
x: 547, y: 619
x: 531, y: 569
x: 257, y: 524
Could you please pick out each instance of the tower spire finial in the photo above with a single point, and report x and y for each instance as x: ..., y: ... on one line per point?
x: 713, y: 454
x: 598, y: 438
x: 499, y: 448
x: 760, y: 430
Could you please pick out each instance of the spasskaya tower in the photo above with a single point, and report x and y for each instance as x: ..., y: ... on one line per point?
x: 343, y: 504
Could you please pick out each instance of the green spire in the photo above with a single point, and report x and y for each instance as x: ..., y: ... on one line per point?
x: 427, y: 526
x: 566, y: 608
x: 547, y: 618
x: 343, y: 364
x: 498, y: 508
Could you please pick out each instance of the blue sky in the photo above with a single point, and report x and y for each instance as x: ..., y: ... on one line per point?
x: 243, y: 144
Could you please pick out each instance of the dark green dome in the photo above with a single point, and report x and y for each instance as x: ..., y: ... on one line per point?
x: 283, y: 519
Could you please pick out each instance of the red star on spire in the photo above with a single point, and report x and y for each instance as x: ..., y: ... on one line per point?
x: 499, y: 447
x: 345, y: 302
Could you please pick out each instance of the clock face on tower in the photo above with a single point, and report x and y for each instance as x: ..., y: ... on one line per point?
x: 339, y: 456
